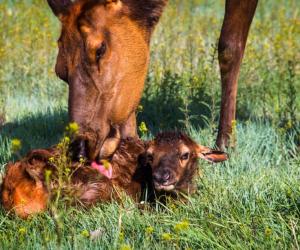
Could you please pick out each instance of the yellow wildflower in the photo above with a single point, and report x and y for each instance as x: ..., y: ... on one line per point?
x: 66, y: 139
x: 143, y: 128
x: 22, y: 230
x: 125, y: 247
x: 72, y: 128
x: 140, y: 108
x: 181, y: 226
x: 16, y: 145
x: 60, y: 145
x: 149, y: 230
x: 81, y: 160
x: 51, y: 159
x: 85, y: 233
x: 268, y: 232
x: 166, y: 236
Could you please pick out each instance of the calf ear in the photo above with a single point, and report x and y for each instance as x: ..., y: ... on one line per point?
x: 36, y: 173
x: 148, y: 11
x: 59, y: 7
x: 211, y: 155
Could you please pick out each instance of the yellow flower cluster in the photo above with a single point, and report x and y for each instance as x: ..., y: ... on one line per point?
x: 181, y: 226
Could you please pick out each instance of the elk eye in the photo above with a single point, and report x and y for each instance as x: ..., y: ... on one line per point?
x: 100, y: 51
x: 149, y: 158
x: 185, y: 156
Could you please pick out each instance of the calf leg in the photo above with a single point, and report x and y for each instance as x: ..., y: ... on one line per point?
x: 232, y: 42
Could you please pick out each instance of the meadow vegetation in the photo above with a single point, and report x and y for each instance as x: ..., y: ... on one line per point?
x: 251, y: 201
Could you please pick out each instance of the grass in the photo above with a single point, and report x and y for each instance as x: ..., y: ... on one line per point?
x: 250, y: 202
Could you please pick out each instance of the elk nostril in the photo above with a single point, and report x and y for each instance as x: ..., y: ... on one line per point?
x: 78, y: 149
x: 166, y: 175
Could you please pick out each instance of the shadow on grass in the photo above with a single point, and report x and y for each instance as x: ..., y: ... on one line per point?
x: 169, y: 101
x: 167, y: 104
x: 164, y: 108
x: 39, y: 130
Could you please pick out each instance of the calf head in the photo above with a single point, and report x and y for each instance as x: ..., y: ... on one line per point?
x: 173, y: 157
x: 103, y: 55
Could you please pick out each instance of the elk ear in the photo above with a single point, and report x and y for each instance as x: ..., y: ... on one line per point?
x: 36, y: 172
x: 36, y: 163
x: 211, y: 155
x: 59, y: 7
x: 148, y: 11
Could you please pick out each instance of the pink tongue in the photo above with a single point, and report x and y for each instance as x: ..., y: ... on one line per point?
x: 103, y: 170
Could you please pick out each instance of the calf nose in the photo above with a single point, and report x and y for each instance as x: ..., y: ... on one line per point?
x: 166, y: 175
x: 162, y: 176
x: 78, y: 149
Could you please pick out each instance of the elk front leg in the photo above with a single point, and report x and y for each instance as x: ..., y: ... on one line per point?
x: 128, y: 129
x: 232, y: 42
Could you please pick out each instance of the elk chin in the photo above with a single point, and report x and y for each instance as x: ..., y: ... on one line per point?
x: 165, y: 188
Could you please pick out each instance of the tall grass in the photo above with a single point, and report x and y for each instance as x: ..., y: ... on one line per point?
x: 251, y: 201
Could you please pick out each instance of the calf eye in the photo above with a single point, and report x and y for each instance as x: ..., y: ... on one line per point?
x: 100, y: 51
x: 185, y: 156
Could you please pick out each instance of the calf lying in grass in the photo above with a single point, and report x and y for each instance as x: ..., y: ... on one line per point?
x: 166, y: 165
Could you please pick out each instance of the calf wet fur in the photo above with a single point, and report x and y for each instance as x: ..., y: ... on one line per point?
x: 164, y: 166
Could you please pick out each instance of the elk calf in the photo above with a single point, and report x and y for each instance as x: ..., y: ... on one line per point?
x: 26, y: 190
x: 173, y: 157
x: 167, y: 164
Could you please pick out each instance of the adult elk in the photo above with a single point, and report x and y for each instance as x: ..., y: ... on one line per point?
x: 104, y: 55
